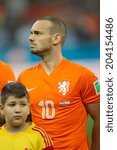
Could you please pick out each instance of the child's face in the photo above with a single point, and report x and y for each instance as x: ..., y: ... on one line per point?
x: 1, y: 116
x: 16, y: 111
x: 0, y: 103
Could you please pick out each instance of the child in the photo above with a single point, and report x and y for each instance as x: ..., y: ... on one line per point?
x: 6, y: 75
x: 17, y: 134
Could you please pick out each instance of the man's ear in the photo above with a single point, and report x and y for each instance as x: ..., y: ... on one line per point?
x: 56, y: 38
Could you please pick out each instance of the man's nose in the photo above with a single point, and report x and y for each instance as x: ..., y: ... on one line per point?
x: 31, y: 37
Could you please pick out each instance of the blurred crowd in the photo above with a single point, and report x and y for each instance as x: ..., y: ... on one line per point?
x: 82, y: 18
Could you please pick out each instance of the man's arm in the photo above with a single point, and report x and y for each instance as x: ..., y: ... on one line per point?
x: 94, y: 110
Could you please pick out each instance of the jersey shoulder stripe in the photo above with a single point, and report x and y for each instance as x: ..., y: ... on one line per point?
x: 42, y: 132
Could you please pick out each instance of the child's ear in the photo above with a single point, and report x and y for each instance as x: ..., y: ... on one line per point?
x: 0, y: 103
x: 0, y: 106
x: 29, y: 110
x: 2, y: 110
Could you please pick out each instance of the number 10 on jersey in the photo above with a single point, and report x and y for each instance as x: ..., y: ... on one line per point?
x: 48, y: 109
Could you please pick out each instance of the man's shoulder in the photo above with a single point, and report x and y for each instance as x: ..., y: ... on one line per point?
x: 4, y: 66
x: 6, y: 72
x: 30, y: 69
x: 78, y: 68
x: 2, y: 63
x: 75, y: 65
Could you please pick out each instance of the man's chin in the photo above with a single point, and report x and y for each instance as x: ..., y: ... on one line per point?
x: 34, y: 52
x: 38, y: 53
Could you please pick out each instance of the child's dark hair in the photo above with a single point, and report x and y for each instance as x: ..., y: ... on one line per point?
x: 15, y: 89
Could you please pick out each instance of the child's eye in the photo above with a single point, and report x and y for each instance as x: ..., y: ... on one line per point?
x: 11, y: 105
x: 23, y: 104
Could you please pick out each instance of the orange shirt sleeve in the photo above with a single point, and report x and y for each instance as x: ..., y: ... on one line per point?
x: 90, y: 91
x: 6, y: 74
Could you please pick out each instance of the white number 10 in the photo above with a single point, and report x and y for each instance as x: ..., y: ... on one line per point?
x: 46, y: 109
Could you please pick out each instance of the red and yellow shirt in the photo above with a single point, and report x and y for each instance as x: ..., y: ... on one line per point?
x: 33, y: 138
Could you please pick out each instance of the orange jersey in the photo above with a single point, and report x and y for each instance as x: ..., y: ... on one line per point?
x: 6, y: 74
x: 57, y: 102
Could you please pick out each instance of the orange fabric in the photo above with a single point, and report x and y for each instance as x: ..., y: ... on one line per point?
x: 57, y: 102
x: 6, y: 74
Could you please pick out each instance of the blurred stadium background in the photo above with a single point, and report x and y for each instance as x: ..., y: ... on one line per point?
x: 82, y: 18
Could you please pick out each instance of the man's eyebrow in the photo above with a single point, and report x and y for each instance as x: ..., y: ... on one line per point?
x: 36, y: 31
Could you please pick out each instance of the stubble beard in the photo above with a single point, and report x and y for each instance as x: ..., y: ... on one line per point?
x: 34, y: 52
x: 40, y: 53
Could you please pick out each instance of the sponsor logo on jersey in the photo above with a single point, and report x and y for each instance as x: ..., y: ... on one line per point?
x: 63, y: 87
x: 30, y: 89
x: 97, y: 87
x: 10, y: 81
x: 64, y: 103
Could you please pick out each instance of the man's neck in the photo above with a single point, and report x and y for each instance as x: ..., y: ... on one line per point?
x: 50, y: 64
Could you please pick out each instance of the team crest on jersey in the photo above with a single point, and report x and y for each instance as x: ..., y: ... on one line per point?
x: 97, y: 87
x: 63, y: 87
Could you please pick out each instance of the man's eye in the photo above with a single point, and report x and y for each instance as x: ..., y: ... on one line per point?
x: 38, y: 33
